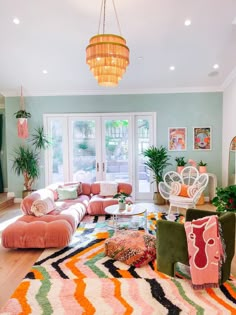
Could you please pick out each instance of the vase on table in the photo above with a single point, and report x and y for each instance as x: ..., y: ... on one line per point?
x: 122, y: 205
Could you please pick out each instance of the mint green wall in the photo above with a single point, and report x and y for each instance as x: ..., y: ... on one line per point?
x: 173, y: 110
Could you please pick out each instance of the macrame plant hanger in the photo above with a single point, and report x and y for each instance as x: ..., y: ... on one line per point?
x: 22, y: 124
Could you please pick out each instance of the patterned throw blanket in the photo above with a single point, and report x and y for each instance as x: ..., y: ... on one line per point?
x: 205, y: 250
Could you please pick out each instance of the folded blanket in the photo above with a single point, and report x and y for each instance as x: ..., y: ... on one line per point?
x: 42, y: 206
x: 40, y: 194
x: 206, y: 251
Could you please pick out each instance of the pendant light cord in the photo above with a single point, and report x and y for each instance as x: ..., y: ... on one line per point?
x: 103, y: 9
x: 116, y: 16
x: 22, y: 103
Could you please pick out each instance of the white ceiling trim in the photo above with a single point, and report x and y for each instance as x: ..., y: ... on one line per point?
x: 117, y: 91
x: 229, y: 79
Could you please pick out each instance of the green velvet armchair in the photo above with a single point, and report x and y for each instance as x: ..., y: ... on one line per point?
x: 172, y: 242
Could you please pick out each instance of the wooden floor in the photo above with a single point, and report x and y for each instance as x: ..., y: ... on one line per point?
x: 14, y: 264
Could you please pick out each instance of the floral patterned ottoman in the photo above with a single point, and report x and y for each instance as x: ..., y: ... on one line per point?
x: 134, y: 248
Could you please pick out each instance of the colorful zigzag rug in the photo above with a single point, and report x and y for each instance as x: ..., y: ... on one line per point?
x: 80, y: 279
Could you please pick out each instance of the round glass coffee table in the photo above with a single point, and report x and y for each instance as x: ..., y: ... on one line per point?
x: 122, y: 219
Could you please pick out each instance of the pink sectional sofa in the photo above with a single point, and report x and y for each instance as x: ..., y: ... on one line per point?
x: 52, y: 214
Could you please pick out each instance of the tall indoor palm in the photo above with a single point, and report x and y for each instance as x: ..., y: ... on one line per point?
x: 157, y: 161
x: 26, y: 158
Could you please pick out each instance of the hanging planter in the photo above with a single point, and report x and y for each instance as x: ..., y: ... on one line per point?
x: 22, y: 115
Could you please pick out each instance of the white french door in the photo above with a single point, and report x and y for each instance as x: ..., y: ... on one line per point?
x: 95, y: 147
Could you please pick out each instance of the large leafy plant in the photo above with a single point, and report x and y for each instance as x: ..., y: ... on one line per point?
x: 157, y: 161
x: 26, y: 157
x: 225, y: 199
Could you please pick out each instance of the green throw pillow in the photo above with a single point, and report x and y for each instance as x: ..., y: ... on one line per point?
x: 69, y: 192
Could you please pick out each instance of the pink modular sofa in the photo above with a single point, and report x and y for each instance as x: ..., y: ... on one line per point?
x: 56, y: 228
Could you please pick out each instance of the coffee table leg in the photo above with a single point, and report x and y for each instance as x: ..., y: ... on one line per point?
x: 145, y: 218
x: 115, y: 222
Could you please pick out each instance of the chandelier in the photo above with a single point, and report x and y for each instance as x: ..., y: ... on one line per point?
x: 107, y: 54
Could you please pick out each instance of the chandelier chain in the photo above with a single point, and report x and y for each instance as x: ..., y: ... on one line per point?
x: 104, y: 17
x: 103, y: 12
x: 116, y: 16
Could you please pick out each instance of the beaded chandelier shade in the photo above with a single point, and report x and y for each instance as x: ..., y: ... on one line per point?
x: 107, y: 54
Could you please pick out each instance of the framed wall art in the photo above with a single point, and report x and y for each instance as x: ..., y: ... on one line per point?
x: 202, y: 138
x: 177, y: 138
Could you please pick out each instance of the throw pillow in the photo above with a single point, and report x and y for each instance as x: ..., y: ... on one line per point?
x: 67, y: 192
x: 78, y: 185
x: 183, y: 190
x: 108, y: 188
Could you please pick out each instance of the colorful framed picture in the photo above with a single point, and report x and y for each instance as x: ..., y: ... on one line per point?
x: 202, y: 138
x: 177, y: 139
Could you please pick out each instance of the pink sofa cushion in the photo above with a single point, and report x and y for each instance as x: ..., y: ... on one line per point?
x: 124, y: 187
x: 83, y: 188
x: 98, y: 203
x: 52, y: 232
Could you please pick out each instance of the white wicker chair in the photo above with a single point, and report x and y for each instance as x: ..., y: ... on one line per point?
x: 189, y: 176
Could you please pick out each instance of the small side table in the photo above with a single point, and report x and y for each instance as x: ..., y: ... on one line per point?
x: 130, y: 211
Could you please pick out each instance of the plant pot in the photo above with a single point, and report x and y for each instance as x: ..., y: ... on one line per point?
x: 26, y: 193
x: 202, y: 169
x: 179, y: 169
x: 201, y: 200
x: 158, y: 199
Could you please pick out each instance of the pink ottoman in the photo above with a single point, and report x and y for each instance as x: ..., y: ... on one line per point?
x: 39, y: 232
x: 134, y: 248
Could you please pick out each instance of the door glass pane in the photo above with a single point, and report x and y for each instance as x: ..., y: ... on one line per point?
x: 143, y: 138
x: 84, y: 152
x: 116, y: 138
x: 57, y: 150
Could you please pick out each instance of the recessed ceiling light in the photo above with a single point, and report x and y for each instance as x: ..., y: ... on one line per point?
x: 187, y: 22
x: 172, y: 68
x: 16, y: 21
x: 45, y: 71
x: 215, y: 66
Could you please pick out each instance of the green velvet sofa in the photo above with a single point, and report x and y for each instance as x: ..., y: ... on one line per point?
x: 172, y: 243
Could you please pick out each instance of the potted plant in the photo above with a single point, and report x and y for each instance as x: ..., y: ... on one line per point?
x: 180, y: 163
x: 121, y: 196
x: 26, y: 159
x: 157, y: 161
x: 22, y: 124
x: 225, y: 199
x: 202, y: 167
x: 22, y: 114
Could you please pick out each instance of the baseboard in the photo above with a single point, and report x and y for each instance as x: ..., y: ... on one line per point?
x: 207, y: 198
x: 10, y: 195
x: 17, y: 200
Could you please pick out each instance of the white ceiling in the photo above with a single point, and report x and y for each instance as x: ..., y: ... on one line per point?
x: 53, y: 35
